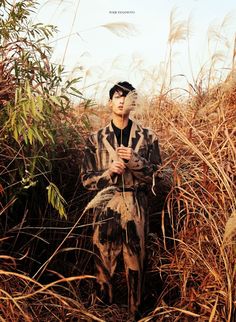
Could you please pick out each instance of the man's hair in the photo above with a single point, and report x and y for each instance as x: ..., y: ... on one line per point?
x: 123, y: 87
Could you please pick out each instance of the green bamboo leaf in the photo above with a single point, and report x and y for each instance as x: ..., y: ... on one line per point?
x: 39, y: 116
x: 19, y: 128
x: 38, y: 136
x: 13, y: 118
x: 25, y: 137
x: 56, y: 199
x: 33, y: 107
x: 73, y: 81
x: 57, y: 202
x: 15, y: 134
x: 62, y: 212
x: 24, y: 107
x: 28, y: 89
x: 55, y: 100
x: 39, y: 103
x: 24, y: 121
x: 30, y: 135
x: 76, y: 90
x: 49, y: 135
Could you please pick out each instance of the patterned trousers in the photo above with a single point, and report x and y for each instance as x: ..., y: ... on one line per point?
x: 120, y: 229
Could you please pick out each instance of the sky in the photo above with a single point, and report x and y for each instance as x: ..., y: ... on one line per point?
x: 102, y: 57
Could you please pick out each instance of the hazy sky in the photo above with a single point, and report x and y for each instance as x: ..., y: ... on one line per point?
x: 138, y: 55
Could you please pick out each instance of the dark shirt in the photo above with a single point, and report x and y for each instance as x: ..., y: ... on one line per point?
x: 122, y: 136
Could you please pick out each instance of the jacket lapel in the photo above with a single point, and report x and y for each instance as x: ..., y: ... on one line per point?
x: 110, y: 142
x: 136, y: 137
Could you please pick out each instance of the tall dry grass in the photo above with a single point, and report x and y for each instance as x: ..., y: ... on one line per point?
x: 24, y: 299
x: 200, y: 143
x: 46, y: 268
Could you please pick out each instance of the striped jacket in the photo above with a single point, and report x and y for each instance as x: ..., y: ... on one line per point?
x: 100, y: 151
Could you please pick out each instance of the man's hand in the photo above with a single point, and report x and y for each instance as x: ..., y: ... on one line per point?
x: 124, y: 152
x: 117, y: 167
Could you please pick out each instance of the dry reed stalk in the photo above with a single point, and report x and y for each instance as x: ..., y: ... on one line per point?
x: 204, y: 194
x: 14, y: 295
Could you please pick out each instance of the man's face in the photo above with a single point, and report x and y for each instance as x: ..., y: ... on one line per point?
x: 118, y: 104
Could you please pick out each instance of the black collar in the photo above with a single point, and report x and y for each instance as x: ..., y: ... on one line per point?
x: 122, y: 135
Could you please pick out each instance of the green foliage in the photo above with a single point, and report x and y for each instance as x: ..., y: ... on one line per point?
x: 33, y: 102
x: 26, y: 119
x: 56, y: 199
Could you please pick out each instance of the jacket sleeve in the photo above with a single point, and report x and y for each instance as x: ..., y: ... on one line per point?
x: 145, y: 166
x: 92, y: 177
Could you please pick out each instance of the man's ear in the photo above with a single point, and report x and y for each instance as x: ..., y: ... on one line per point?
x: 110, y: 103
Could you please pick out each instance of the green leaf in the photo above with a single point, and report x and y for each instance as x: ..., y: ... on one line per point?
x: 30, y: 135
x: 15, y: 134
x: 55, y: 100
x: 76, y: 90
x: 56, y: 199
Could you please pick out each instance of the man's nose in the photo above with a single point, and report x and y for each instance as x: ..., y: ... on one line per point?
x: 122, y: 99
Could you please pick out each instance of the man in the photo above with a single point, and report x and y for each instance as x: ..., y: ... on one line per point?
x: 125, y: 155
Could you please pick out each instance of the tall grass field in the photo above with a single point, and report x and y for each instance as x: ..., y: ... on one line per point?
x: 46, y: 254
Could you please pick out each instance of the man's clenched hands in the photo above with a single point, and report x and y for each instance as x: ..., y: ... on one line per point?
x: 124, y: 152
x: 117, y: 167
